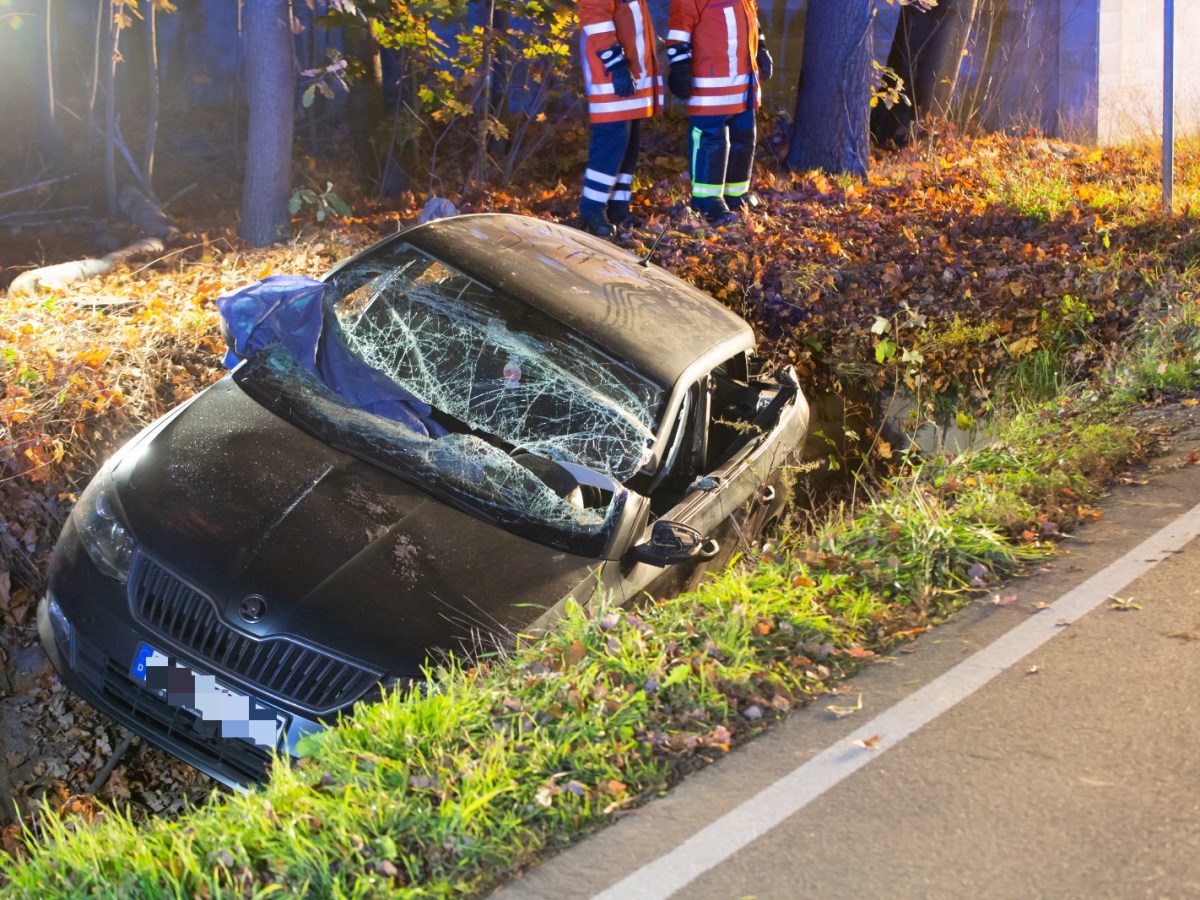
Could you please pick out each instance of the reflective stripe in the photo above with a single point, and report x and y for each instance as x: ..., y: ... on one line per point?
x: 718, y: 100
x: 599, y: 28
x: 604, y: 106
x: 602, y: 88
x: 593, y: 175
x: 625, y: 178
x: 588, y: 85
x: 731, y: 39
x: 696, y: 135
x: 707, y: 190
x: 676, y: 35
x: 622, y: 196
x: 639, y: 33
x: 737, y: 190
x: 722, y: 81
x: 592, y: 194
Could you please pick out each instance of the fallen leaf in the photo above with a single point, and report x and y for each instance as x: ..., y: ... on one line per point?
x: 1006, y: 600
x: 1193, y: 635
x: 575, y: 652
x: 871, y: 743
x: 840, y: 712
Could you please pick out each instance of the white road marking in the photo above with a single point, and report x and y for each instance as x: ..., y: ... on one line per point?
x: 744, y: 824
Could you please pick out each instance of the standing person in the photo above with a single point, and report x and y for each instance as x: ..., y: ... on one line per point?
x: 717, y: 58
x: 620, y: 74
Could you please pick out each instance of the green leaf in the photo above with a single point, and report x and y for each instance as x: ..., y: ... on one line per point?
x: 293, y: 204
x: 306, y: 99
x: 338, y: 205
x: 884, y: 351
x: 880, y: 325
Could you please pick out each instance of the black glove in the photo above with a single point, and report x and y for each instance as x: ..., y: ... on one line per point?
x: 617, y: 67
x: 679, y: 80
x: 766, y: 65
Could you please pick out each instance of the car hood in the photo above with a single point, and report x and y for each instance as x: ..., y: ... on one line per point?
x: 235, y: 501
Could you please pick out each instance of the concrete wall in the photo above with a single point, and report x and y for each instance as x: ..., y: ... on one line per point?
x: 1129, y: 83
x: 1084, y: 70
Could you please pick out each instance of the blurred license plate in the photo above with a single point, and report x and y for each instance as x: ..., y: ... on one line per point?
x: 239, y: 715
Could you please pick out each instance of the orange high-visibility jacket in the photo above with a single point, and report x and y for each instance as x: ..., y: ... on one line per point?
x: 724, y: 39
x: 607, y: 22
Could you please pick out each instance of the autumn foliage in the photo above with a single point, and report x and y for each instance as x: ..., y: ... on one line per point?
x: 953, y: 262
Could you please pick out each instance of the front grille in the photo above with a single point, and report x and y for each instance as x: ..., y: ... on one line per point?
x: 308, y: 679
x: 181, y: 731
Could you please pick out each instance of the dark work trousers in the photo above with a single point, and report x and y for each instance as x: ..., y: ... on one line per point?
x: 721, y: 150
x: 612, y: 157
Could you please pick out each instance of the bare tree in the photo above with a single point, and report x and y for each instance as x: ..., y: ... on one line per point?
x: 833, y: 102
x: 151, y: 23
x: 270, y: 77
x: 927, y: 55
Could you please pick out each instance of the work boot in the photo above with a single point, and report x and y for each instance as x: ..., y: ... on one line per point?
x: 714, y: 210
x: 620, y: 216
x: 743, y: 203
x: 592, y: 220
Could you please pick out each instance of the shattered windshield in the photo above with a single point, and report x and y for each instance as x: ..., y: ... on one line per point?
x: 529, y: 495
x: 493, y: 363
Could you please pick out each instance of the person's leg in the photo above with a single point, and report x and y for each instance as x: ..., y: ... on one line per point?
x: 741, y: 161
x: 606, y: 150
x: 622, y: 195
x: 708, y: 154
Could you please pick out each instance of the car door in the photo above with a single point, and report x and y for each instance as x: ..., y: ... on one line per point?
x: 731, y: 492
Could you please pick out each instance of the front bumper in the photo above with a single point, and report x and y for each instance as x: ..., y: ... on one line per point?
x: 106, y: 683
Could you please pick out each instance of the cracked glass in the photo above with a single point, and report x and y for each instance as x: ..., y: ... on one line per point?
x: 496, y: 365
x: 530, y: 495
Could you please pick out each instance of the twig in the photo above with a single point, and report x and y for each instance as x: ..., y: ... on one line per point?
x: 179, y: 193
x: 24, y: 217
x: 36, y: 185
x: 102, y: 776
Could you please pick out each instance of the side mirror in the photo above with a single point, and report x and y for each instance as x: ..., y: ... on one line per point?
x: 671, y: 543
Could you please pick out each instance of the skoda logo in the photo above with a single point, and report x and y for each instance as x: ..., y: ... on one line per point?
x: 252, y: 608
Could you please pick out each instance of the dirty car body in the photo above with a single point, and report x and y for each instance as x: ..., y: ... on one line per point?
x: 500, y: 415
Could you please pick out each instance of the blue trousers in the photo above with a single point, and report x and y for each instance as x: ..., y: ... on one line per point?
x: 612, y: 158
x: 721, y: 151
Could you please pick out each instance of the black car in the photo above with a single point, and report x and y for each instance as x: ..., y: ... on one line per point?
x: 429, y: 451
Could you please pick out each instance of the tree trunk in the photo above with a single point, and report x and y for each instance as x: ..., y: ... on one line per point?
x: 833, y: 103
x: 49, y: 136
x: 151, y: 23
x: 483, y: 103
x: 927, y: 54
x: 115, y: 10
x: 365, y: 105
x: 270, y: 85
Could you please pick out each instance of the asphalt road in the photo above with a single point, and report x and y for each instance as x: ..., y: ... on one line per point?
x: 1017, y: 751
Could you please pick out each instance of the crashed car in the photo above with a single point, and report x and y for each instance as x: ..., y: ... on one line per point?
x: 429, y: 451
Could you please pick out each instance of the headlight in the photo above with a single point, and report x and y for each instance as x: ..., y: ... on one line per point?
x: 105, y: 535
x: 59, y: 624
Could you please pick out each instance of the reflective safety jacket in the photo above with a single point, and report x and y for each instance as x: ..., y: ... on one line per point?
x: 607, y: 22
x: 724, y: 39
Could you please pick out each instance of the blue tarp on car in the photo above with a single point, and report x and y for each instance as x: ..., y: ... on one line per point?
x: 288, y: 312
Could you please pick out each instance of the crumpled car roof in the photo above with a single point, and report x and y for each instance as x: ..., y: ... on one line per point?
x: 644, y: 315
